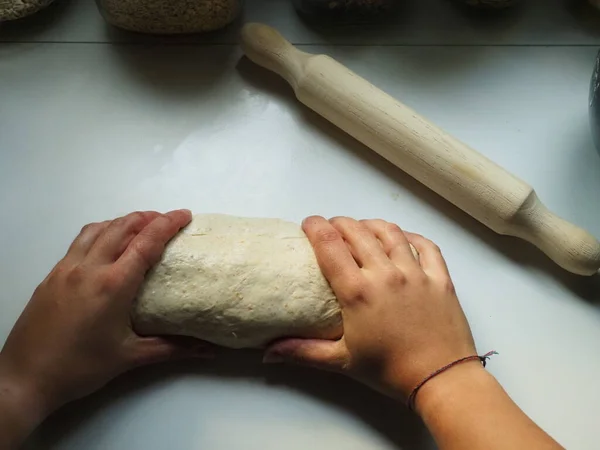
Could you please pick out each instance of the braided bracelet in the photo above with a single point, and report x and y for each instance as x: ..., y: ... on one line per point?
x: 483, y: 359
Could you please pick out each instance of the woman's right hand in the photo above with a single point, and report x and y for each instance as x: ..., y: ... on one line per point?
x: 402, y: 322
x: 402, y: 319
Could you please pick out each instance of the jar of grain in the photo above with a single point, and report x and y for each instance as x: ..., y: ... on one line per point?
x: 594, y: 102
x: 170, y: 16
x: 17, y: 9
x: 490, y: 4
x: 344, y: 10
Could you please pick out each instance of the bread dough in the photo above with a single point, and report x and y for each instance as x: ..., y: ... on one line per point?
x: 239, y: 283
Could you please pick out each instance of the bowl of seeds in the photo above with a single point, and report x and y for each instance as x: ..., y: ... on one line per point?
x: 170, y: 16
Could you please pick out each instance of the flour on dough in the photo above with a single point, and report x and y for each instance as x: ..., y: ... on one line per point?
x: 239, y: 283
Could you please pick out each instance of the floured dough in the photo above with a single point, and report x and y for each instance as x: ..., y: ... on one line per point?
x: 239, y: 283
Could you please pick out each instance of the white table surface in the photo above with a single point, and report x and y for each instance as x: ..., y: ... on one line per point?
x: 95, y: 123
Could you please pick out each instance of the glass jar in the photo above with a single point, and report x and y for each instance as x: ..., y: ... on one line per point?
x: 490, y: 4
x: 344, y: 10
x: 170, y: 16
x: 12, y: 9
x: 594, y: 103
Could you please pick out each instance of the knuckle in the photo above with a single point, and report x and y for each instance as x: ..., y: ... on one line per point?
x: 118, y: 222
x: 392, y: 228
x: 131, y: 223
x: 351, y: 226
x: 394, y: 278
x: 136, y: 219
x: 372, y: 224
x: 360, y: 227
x: 74, y: 276
x: 340, y: 221
x: 110, y: 281
x: 159, y: 225
x: 144, y: 250
x: 167, y: 218
x: 431, y: 245
x: 59, y: 269
x: 416, y: 238
x: 88, y: 227
x: 327, y: 235
x: 353, y: 290
x: 420, y: 277
x: 447, y: 285
x: 167, y: 222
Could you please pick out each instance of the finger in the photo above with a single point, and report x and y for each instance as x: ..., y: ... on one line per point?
x: 145, y: 249
x: 117, y: 236
x: 86, y: 238
x: 393, y: 240
x: 430, y: 255
x: 151, y: 350
x: 333, y: 255
x: 320, y: 354
x: 365, y: 247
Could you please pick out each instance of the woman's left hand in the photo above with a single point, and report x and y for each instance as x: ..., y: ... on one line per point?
x: 75, y: 334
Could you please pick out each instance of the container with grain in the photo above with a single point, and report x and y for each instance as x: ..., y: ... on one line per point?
x: 169, y: 16
x: 345, y: 10
x: 17, y: 9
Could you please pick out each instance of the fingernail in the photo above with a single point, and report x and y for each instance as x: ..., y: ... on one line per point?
x: 272, y: 358
x: 309, y: 219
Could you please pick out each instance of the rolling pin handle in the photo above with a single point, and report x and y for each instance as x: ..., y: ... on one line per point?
x: 571, y: 247
x: 269, y: 49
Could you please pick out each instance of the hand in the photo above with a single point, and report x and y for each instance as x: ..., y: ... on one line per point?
x: 402, y: 319
x: 75, y: 334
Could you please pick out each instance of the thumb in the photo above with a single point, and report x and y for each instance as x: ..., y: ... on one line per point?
x: 317, y: 353
x: 151, y: 350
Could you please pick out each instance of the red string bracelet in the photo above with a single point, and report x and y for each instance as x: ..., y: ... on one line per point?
x: 483, y: 359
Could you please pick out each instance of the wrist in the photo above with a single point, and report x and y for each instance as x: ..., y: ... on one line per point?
x: 451, y: 386
x: 22, y: 407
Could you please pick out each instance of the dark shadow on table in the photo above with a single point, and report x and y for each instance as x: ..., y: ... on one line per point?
x: 179, y: 73
x: 516, y: 250
x: 389, y: 418
x: 31, y: 27
x: 585, y: 14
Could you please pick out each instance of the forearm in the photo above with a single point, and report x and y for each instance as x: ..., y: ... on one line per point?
x: 466, y: 408
x: 20, y: 409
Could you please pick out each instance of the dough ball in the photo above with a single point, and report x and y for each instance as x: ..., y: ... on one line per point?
x: 238, y: 283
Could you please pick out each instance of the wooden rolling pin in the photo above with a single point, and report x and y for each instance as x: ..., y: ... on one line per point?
x: 458, y: 173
